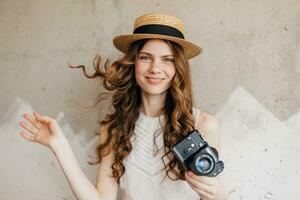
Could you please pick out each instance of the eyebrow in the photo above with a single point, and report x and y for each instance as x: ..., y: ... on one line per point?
x: 152, y: 55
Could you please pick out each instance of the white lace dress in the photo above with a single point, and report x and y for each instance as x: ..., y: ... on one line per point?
x: 143, y: 175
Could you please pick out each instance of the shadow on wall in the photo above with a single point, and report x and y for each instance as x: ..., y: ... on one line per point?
x: 260, y: 154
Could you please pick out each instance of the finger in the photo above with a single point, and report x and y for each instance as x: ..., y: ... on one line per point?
x: 203, y: 179
x: 33, y: 121
x: 36, y: 115
x: 198, y: 184
x: 27, y: 136
x: 31, y: 129
x: 43, y: 119
x: 203, y: 194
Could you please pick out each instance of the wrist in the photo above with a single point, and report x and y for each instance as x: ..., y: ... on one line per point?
x: 59, y: 145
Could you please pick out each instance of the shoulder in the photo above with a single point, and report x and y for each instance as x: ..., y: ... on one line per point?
x: 209, y: 128
x: 208, y: 121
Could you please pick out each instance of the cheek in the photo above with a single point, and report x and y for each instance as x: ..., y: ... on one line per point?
x: 171, y: 72
x: 171, y: 75
x: 139, y: 70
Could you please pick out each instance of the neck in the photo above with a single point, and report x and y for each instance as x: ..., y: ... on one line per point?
x: 152, y: 105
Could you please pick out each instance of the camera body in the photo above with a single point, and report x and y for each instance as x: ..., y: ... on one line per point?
x: 196, y: 155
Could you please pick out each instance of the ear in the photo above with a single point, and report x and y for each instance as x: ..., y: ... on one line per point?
x: 209, y: 128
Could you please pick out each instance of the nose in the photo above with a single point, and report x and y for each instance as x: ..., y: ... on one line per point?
x: 155, y: 67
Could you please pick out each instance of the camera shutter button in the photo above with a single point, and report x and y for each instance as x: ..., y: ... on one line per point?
x: 188, y: 149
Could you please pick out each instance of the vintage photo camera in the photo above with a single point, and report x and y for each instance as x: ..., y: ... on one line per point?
x: 196, y: 155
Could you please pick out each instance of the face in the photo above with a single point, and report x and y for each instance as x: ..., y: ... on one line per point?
x: 154, y: 67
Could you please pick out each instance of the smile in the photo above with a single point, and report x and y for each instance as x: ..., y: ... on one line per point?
x: 154, y: 80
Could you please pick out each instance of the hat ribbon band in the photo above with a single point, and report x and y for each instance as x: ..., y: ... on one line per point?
x: 158, y: 29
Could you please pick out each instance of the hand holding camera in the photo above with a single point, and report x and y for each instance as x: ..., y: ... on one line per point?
x: 196, y: 155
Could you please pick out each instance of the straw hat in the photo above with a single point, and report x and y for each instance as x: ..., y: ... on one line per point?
x: 161, y: 27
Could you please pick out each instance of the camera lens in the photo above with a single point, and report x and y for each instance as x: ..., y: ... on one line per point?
x: 204, y: 164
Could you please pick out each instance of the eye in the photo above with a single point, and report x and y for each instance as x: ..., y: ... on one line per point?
x: 169, y: 59
x: 144, y: 58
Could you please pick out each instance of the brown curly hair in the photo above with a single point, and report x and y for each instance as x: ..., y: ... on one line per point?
x: 125, y: 97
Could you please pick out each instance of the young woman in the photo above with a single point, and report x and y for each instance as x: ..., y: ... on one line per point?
x: 152, y: 107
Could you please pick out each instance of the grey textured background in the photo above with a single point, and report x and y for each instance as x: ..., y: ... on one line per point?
x: 251, y: 46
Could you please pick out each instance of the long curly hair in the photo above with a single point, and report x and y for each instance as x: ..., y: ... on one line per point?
x: 125, y: 96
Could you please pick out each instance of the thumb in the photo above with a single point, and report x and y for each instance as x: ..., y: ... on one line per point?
x: 53, y: 125
x: 43, y: 119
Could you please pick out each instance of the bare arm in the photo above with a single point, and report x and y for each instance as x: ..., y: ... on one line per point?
x: 105, y: 183
x: 46, y: 131
x: 80, y: 184
x: 208, y: 187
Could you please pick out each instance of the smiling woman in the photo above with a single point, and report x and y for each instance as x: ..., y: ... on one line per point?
x: 154, y: 71
x: 152, y: 109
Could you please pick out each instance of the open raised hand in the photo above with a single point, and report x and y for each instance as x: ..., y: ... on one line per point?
x: 43, y: 130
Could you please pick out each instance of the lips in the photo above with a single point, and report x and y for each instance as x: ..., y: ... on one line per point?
x: 154, y: 80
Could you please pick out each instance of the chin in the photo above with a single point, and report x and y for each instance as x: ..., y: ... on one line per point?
x: 154, y: 91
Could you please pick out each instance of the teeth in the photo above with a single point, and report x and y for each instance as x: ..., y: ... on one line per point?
x: 154, y: 78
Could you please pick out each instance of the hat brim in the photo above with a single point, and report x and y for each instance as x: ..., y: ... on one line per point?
x: 122, y: 42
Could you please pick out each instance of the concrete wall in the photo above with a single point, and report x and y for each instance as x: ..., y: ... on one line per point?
x: 248, y: 76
